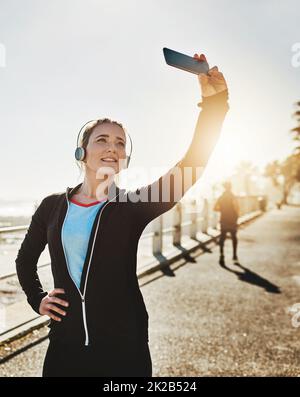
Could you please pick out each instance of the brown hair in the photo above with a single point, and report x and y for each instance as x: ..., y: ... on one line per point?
x: 88, y: 132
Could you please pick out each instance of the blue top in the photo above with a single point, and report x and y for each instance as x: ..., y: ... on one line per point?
x: 76, y: 232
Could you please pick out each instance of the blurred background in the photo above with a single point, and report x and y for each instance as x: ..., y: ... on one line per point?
x: 64, y: 62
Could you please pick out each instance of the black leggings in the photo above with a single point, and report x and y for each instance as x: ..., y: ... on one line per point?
x: 223, y: 238
x: 63, y: 360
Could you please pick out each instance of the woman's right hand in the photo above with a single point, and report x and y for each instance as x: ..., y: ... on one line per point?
x: 48, y: 303
x: 213, y: 82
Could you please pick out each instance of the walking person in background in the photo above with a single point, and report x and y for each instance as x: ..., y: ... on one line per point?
x: 99, y: 322
x: 227, y: 204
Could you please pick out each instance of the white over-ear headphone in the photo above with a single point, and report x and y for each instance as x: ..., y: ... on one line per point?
x: 80, y: 151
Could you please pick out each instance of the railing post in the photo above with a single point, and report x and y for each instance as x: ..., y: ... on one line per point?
x: 242, y: 206
x: 214, y: 218
x: 204, y: 223
x: 157, y: 236
x: 193, y: 227
x: 246, y: 204
x: 177, y: 219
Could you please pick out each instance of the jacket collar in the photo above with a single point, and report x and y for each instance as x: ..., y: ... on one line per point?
x: 113, y: 190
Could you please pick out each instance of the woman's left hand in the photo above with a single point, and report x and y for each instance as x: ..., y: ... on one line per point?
x: 213, y: 82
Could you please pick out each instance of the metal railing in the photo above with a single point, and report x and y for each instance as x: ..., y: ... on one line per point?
x: 200, y: 219
x: 188, y: 219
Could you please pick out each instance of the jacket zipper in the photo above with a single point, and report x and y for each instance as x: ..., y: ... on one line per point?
x: 84, y: 323
x: 82, y: 296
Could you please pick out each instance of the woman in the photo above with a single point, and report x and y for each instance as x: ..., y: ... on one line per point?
x: 99, y: 322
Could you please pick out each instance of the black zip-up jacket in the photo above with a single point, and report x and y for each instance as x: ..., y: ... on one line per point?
x: 109, y: 305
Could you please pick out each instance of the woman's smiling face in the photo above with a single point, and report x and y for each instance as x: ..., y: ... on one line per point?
x: 106, y: 148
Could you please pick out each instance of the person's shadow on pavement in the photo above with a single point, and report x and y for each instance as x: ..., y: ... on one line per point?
x: 251, y: 277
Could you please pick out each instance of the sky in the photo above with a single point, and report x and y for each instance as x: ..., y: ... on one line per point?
x: 68, y: 61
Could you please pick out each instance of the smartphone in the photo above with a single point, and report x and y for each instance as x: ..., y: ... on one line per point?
x: 185, y: 62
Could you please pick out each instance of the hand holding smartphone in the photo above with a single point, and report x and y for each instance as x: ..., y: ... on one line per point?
x: 211, y: 80
x: 185, y: 62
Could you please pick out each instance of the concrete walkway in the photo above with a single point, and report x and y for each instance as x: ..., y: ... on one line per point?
x: 232, y: 320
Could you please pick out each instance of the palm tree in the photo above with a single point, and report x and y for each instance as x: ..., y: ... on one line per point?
x: 296, y: 130
x: 245, y: 170
x: 273, y: 171
x: 289, y: 169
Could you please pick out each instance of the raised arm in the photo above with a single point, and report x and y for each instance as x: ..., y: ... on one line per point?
x: 152, y: 200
